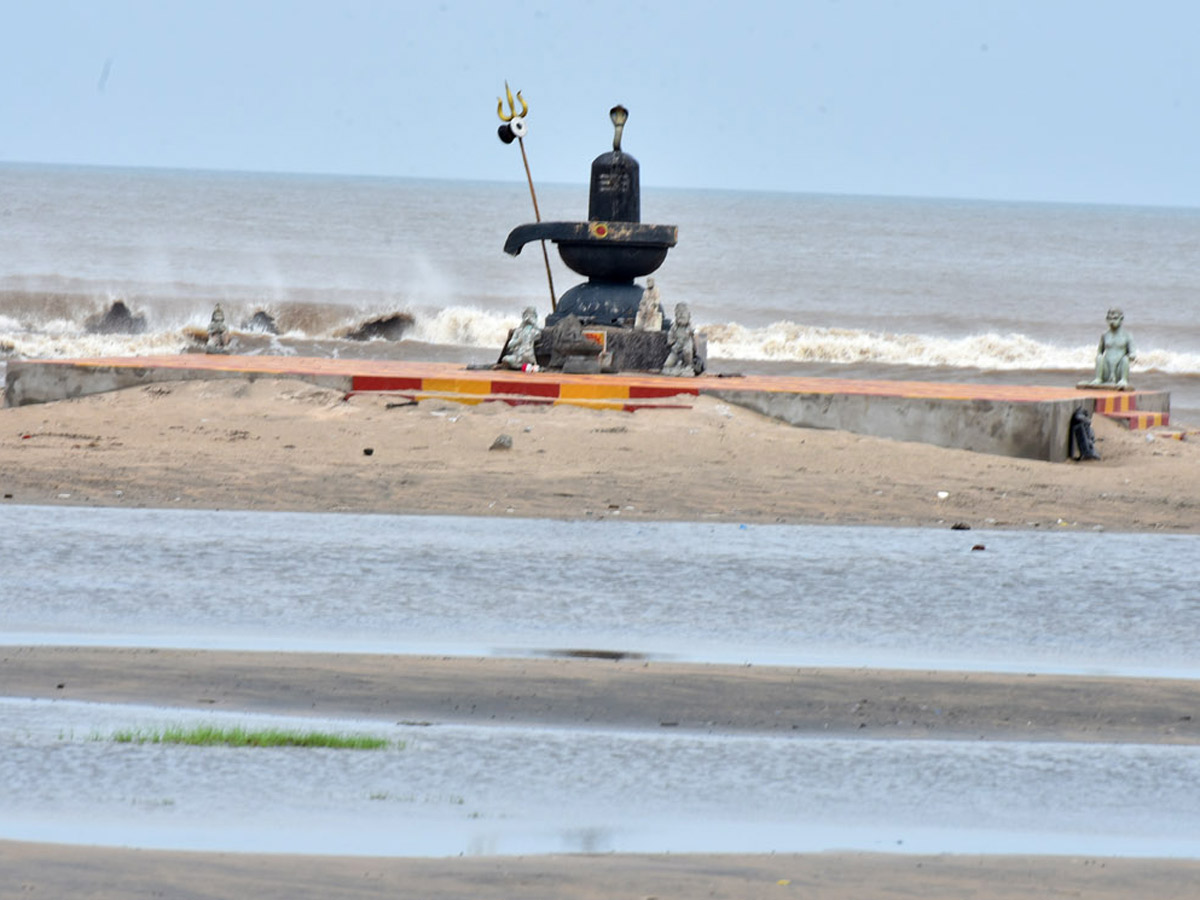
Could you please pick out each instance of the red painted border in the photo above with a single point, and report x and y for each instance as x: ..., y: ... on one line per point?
x: 646, y: 392
x: 385, y: 383
x: 527, y: 388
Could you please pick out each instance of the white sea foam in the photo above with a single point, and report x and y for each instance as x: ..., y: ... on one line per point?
x: 779, y: 342
x: 1165, y: 361
x: 59, y: 346
x: 788, y: 341
x: 462, y: 326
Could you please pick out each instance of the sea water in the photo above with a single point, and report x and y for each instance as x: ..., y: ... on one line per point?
x: 704, y: 592
x: 946, y: 290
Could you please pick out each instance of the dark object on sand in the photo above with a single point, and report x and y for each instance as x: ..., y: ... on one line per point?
x: 262, y: 322
x: 386, y: 328
x: 572, y: 352
x: 1083, y: 442
x: 116, y: 320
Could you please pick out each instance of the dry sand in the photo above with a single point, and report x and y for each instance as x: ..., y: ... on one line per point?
x: 287, y: 445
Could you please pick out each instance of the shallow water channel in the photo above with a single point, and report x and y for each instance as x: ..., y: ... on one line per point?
x: 448, y: 790
x: 800, y: 595
x: 789, y: 594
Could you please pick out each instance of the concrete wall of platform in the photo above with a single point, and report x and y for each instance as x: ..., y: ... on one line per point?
x: 1034, y: 430
x: 35, y: 382
x: 1033, y: 426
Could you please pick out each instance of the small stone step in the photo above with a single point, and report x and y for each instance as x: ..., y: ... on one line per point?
x: 1116, y: 403
x: 1139, y: 421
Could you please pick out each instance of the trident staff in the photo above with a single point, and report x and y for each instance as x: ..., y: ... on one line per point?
x: 514, y: 127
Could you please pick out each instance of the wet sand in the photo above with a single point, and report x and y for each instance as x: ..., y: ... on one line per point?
x: 42, y: 870
x: 285, y: 445
x: 629, y: 693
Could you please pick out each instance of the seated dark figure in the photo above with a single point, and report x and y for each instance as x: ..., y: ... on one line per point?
x: 571, y: 348
x: 1082, y: 442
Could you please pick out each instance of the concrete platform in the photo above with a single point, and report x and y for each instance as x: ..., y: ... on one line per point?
x: 1008, y: 420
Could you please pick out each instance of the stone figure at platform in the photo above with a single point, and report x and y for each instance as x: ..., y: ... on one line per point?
x: 1082, y: 441
x: 218, y: 332
x: 519, y: 351
x: 681, y: 344
x: 1114, y: 354
x: 649, y: 314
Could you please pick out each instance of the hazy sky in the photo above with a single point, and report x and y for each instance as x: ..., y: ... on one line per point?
x: 1072, y: 100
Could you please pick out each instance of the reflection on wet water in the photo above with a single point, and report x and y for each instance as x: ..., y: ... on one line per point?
x: 456, y: 789
x: 788, y: 594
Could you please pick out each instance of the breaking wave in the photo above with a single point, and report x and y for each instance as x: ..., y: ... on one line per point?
x: 790, y: 342
x: 58, y: 326
x: 462, y: 326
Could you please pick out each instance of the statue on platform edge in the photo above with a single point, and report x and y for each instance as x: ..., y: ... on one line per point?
x: 218, y: 332
x: 519, y: 350
x: 1114, y: 355
x: 681, y: 344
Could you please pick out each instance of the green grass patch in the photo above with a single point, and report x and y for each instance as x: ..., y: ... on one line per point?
x: 208, y: 736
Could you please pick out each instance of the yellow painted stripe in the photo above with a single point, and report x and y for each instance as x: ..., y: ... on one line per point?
x: 599, y: 391
x: 1115, y: 404
x: 457, y: 385
x: 590, y: 404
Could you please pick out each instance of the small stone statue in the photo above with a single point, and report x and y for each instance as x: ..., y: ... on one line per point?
x: 649, y: 314
x: 681, y: 341
x: 218, y: 333
x: 519, y: 351
x: 1082, y: 442
x: 1114, y: 355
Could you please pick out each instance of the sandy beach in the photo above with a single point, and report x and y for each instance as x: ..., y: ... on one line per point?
x: 289, y: 446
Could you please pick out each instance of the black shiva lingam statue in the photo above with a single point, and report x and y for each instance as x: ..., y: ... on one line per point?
x: 612, y: 248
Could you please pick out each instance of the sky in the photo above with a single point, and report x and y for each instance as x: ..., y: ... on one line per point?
x: 1079, y: 101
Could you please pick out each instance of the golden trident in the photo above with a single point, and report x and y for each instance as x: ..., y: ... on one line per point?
x: 512, y: 108
x: 514, y: 126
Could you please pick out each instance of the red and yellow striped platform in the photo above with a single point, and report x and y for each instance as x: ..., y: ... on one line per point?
x: 1015, y: 420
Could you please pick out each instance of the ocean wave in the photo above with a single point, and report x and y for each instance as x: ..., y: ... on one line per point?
x: 69, y: 346
x: 60, y: 331
x: 791, y: 342
x: 462, y: 326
